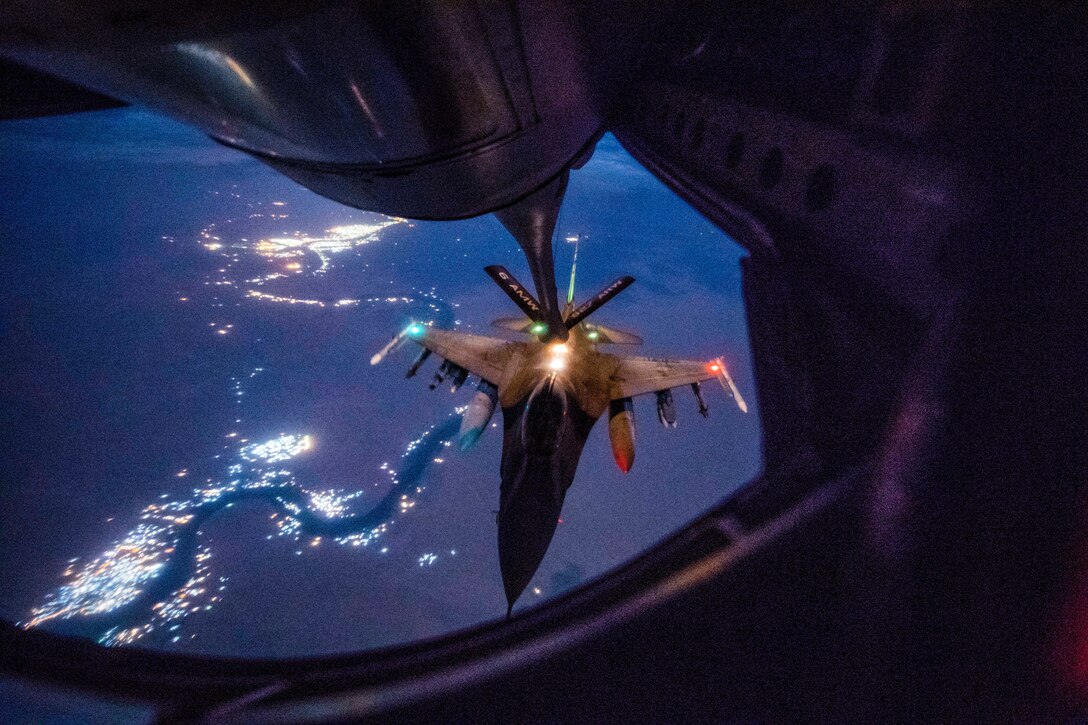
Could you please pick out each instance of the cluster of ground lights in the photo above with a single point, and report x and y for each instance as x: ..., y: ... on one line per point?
x: 127, y: 587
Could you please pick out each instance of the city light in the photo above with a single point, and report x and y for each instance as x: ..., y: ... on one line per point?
x: 124, y: 588
x: 335, y: 240
x: 127, y: 571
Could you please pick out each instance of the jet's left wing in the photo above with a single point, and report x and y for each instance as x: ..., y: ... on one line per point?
x: 483, y: 356
x: 641, y: 375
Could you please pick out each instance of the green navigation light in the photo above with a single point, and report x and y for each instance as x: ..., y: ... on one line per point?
x: 415, y: 330
x: 593, y: 334
x: 538, y: 328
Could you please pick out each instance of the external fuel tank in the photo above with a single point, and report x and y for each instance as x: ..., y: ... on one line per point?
x: 478, y: 414
x: 621, y: 432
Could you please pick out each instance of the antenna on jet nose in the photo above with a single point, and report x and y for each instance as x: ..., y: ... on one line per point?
x: 531, y: 221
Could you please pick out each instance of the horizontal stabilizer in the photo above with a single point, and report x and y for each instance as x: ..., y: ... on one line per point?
x: 514, y: 324
x: 590, y: 306
x: 515, y: 290
x: 612, y: 336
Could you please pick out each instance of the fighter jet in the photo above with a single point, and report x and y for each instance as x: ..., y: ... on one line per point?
x: 551, y: 392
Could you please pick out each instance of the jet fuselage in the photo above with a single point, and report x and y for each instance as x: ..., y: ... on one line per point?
x: 549, y: 406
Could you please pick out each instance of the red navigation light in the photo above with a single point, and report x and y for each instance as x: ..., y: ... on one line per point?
x: 714, y: 367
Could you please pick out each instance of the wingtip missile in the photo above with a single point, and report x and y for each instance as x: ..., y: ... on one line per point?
x: 728, y: 385
x: 380, y: 354
x: 392, y: 345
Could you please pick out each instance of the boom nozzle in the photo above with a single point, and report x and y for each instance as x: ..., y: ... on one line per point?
x: 531, y: 221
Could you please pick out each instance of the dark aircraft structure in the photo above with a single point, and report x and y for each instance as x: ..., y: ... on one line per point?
x: 909, y: 180
x: 551, y: 393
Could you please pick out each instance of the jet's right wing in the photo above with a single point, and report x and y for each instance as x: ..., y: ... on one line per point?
x: 483, y: 356
x: 641, y: 375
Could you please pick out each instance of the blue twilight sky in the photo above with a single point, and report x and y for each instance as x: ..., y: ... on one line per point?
x: 148, y: 330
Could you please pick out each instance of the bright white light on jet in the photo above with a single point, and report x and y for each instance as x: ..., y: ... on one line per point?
x: 558, y: 359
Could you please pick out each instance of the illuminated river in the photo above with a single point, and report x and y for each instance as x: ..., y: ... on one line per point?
x: 161, y: 573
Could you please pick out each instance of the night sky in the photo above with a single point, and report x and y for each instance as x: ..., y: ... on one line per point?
x: 147, y: 332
